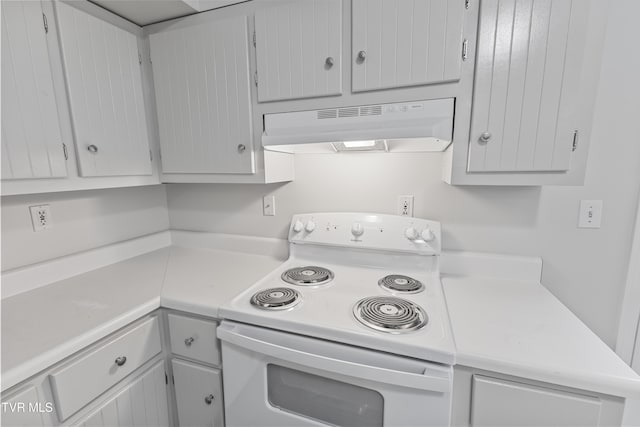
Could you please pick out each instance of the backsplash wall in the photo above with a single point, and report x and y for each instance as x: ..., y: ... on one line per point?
x: 81, y: 220
x: 586, y: 269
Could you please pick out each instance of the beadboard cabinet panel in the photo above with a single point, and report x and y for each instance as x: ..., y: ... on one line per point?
x: 104, y: 82
x: 400, y: 43
x: 299, y: 49
x: 202, y: 85
x: 23, y: 418
x: 32, y: 143
x: 142, y: 403
x: 526, y: 87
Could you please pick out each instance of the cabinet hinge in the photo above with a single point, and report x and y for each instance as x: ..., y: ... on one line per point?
x: 255, y: 78
x: 574, y: 145
x: 64, y: 150
x: 465, y: 49
x: 150, y: 156
x: 166, y: 379
x: 45, y: 23
x: 254, y: 38
x: 139, y: 58
x: 467, y: 4
x: 173, y: 380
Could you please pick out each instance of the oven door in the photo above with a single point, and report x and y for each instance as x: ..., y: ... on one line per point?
x: 274, y: 378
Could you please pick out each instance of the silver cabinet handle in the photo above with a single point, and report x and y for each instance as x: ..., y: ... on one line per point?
x: 189, y: 341
x: 92, y: 149
x: 209, y: 399
x: 485, y: 137
x: 329, y: 62
x: 241, y: 148
x: 121, y: 360
x: 362, y: 55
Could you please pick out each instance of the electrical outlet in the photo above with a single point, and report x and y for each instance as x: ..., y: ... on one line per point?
x: 405, y: 205
x: 269, y: 206
x: 590, y: 214
x: 41, y: 217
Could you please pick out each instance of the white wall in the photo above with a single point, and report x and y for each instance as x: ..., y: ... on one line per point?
x: 81, y: 220
x: 584, y: 268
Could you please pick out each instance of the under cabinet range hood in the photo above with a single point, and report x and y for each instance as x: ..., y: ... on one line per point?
x: 415, y: 126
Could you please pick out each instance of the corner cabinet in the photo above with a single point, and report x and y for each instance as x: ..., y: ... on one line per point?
x: 32, y: 141
x: 536, y: 73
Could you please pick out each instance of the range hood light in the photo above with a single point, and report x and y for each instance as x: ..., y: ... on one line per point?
x: 359, y: 144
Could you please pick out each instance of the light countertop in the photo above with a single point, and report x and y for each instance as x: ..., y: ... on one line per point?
x: 519, y: 328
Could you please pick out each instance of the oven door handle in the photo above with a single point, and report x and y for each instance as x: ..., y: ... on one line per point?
x: 424, y: 381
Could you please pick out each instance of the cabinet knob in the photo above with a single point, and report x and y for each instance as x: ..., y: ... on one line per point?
x: 485, y: 137
x: 121, y: 360
x: 329, y: 62
x: 92, y: 149
x: 189, y: 341
x: 362, y: 55
x: 241, y: 148
x: 209, y: 399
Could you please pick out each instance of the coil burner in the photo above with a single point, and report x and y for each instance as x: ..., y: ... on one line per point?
x: 276, y: 299
x: 399, y: 283
x: 307, y: 276
x: 390, y: 314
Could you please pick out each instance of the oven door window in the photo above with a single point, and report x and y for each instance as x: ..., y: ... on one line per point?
x: 323, y: 399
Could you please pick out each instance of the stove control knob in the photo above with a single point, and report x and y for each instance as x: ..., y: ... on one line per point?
x: 310, y: 226
x: 357, y: 229
x: 427, y: 235
x: 411, y: 233
x: 298, y: 226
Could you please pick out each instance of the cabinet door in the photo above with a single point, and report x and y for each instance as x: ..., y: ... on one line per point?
x: 104, y: 82
x: 528, y: 66
x: 198, y: 394
x: 406, y: 42
x: 299, y: 49
x: 142, y: 403
x: 32, y: 145
x: 18, y: 410
x: 201, y: 76
x: 497, y: 403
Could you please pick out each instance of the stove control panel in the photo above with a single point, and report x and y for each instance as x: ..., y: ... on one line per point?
x: 367, y: 231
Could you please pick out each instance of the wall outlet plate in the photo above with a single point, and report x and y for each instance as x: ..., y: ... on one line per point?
x: 590, y: 214
x: 41, y: 217
x: 405, y: 205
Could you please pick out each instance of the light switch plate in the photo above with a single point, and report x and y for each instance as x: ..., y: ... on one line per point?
x: 41, y: 217
x: 590, y: 214
x: 269, y: 206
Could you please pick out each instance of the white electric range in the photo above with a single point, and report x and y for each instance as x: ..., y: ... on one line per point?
x: 351, y: 330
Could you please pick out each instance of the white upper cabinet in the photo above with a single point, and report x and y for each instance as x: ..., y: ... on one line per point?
x: 202, y: 84
x: 406, y: 42
x: 32, y: 143
x: 104, y: 82
x: 299, y: 49
x: 528, y: 67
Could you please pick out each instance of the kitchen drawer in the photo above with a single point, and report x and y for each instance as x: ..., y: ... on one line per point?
x: 194, y: 338
x: 83, y: 379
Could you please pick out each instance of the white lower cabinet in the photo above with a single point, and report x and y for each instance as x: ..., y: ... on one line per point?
x: 18, y: 409
x: 141, y: 403
x: 198, y: 394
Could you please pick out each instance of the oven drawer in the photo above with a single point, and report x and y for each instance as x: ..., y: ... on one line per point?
x: 85, y: 378
x: 194, y: 338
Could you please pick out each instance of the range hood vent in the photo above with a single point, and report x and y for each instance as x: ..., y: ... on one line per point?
x: 402, y: 127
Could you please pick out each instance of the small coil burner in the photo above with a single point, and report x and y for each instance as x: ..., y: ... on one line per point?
x: 390, y: 314
x: 276, y: 299
x: 307, y: 276
x: 399, y: 283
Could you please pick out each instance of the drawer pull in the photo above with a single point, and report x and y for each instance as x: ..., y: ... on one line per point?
x: 121, y: 360
x: 92, y: 149
x: 209, y: 399
x: 189, y: 341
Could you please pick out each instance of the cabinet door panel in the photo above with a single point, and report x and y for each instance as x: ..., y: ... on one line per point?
x: 294, y: 39
x: 31, y: 137
x: 142, y: 403
x: 201, y: 76
x: 527, y: 81
x: 504, y: 403
x: 193, y: 383
x: 104, y: 81
x: 406, y: 42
